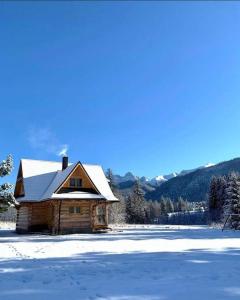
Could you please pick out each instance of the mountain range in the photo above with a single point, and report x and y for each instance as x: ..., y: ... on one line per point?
x: 192, y: 185
x: 157, y: 180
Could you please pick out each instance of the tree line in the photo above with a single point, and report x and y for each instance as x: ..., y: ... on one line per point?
x: 135, y: 209
x: 224, y: 200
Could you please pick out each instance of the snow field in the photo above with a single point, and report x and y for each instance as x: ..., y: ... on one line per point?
x: 131, y: 262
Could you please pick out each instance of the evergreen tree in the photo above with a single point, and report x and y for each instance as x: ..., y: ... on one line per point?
x: 163, y: 206
x: 169, y: 206
x: 129, y: 210
x: 221, y: 196
x: 109, y: 175
x: 135, y: 206
x: 212, y: 200
x: 117, y: 211
x: 217, y: 195
x: 232, y: 201
x: 157, y: 209
x: 150, y: 214
x: 182, y: 205
x: 6, y: 196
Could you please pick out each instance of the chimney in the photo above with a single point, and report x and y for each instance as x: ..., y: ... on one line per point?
x: 64, y: 162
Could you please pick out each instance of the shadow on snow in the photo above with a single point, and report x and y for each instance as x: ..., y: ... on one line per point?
x: 189, y: 275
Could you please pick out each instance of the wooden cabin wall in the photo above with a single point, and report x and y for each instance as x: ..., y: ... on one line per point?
x: 34, y: 217
x: 75, y: 222
x: 54, y: 216
x: 41, y: 216
x: 22, y: 219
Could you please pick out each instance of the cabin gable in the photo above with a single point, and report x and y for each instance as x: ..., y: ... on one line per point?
x: 77, y: 180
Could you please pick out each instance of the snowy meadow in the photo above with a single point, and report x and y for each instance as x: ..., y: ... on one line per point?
x: 131, y: 262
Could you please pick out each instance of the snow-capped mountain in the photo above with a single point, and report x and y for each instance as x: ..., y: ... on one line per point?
x: 157, y: 180
x: 161, y: 178
x: 184, y: 172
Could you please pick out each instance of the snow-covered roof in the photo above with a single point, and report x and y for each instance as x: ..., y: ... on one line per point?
x: 41, y: 180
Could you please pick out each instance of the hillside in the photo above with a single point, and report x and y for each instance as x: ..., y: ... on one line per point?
x: 193, y: 186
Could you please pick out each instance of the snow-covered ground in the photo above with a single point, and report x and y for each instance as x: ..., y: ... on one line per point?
x: 133, y: 262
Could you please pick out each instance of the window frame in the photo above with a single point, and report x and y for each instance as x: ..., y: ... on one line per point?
x: 75, y: 180
x: 75, y: 210
x: 71, y: 210
x: 78, y: 210
x: 101, y: 214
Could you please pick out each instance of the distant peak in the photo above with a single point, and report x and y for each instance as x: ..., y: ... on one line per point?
x: 209, y: 165
x: 129, y: 174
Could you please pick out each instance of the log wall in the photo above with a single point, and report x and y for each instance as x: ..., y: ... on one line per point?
x: 75, y: 222
x: 41, y: 216
x: 55, y: 216
x: 22, y: 219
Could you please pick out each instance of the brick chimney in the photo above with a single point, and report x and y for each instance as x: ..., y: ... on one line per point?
x: 64, y: 162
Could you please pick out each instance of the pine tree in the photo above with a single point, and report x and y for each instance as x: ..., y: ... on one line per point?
x: 6, y: 196
x: 182, y: 205
x: 109, y: 175
x: 217, y: 195
x: 150, y: 213
x: 163, y: 206
x: 221, y: 196
x: 135, y: 206
x: 232, y: 201
x: 169, y: 206
x: 212, y: 200
x: 129, y: 210
x: 117, y: 211
x: 157, y: 209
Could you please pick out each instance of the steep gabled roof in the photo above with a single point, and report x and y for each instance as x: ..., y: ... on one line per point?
x: 42, y: 179
x: 58, y: 180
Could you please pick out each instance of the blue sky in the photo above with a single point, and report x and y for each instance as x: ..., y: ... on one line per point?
x: 150, y: 87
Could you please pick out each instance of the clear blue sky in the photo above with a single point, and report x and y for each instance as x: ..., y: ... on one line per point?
x: 150, y: 87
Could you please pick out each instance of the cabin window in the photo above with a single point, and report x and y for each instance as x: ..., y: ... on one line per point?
x: 101, y: 214
x: 71, y: 209
x: 75, y: 182
x: 78, y: 209
x: 75, y: 209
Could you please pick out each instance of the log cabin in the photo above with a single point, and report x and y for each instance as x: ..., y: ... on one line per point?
x: 61, y: 197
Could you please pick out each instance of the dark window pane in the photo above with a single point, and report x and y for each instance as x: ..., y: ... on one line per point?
x: 72, y: 182
x: 78, y: 210
x: 78, y: 182
x: 71, y: 209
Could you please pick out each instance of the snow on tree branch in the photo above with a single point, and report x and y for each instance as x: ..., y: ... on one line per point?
x: 6, y: 193
x: 6, y: 166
